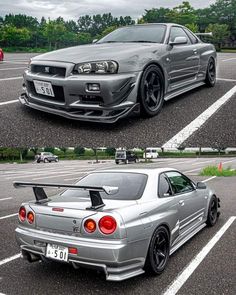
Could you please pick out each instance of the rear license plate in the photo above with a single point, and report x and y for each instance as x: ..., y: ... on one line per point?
x: 44, y: 88
x: 57, y: 252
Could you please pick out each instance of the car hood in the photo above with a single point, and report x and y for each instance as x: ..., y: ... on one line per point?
x: 96, y: 52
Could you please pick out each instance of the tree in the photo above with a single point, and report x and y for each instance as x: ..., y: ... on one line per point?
x: 220, y: 33
x: 54, y: 31
x: 110, y: 151
x: 13, y: 36
x: 49, y: 149
x: 156, y: 15
x: 193, y: 27
x: 84, y: 38
x: 183, y: 14
x: 79, y: 150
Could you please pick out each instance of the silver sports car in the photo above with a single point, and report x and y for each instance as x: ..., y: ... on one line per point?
x: 132, y: 69
x: 122, y: 222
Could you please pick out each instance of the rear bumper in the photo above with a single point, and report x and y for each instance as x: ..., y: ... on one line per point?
x: 116, y: 98
x: 118, y: 259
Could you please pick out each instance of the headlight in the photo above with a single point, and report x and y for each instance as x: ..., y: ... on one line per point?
x: 98, y: 67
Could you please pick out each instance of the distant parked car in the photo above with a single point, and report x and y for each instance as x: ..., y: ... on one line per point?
x: 46, y: 157
x: 124, y: 156
x: 151, y: 153
x: 1, y: 55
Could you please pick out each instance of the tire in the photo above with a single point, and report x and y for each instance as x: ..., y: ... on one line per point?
x: 158, y: 252
x: 211, y: 73
x: 151, y: 91
x: 117, y: 162
x: 212, y: 211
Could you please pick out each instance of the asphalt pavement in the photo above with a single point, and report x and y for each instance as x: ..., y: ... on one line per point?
x: 21, y: 126
x: 214, y: 275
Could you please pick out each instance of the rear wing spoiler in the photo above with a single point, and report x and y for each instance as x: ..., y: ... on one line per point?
x: 94, y: 192
x: 210, y: 34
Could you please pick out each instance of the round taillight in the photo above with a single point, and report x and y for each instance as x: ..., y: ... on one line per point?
x: 30, y: 217
x: 107, y: 225
x: 90, y: 225
x: 22, y: 214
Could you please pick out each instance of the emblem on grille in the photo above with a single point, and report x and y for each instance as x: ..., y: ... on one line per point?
x: 47, y: 69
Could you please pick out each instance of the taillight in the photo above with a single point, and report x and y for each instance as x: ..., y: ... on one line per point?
x: 107, y: 225
x: 90, y: 225
x: 22, y: 214
x: 30, y: 217
x: 73, y: 250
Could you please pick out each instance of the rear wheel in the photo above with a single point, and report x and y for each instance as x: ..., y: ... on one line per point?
x: 211, y: 73
x: 151, y: 92
x: 158, y: 252
x: 212, y: 212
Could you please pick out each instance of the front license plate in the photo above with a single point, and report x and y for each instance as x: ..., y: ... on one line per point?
x: 44, y: 88
x: 57, y: 252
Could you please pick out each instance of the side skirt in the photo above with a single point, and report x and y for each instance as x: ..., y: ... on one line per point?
x: 183, y: 90
x: 185, y: 239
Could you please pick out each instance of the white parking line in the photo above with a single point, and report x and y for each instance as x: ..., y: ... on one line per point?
x: 229, y: 59
x: 8, y: 216
x: 5, y: 199
x: 187, y: 131
x: 228, y: 80
x: 12, y: 78
x: 187, y: 272
x: 6, y: 260
x: 188, y: 171
x: 16, y: 62
x: 208, y: 179
x: 9, y: 102
x: 10, y: 69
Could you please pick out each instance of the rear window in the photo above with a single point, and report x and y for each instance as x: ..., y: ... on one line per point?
x: 130, y: 185
x: 121, y: 155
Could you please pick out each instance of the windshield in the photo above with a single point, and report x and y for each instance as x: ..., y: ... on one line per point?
x: 121, y: 154
x: 130, y: 185
x: 152, y: 33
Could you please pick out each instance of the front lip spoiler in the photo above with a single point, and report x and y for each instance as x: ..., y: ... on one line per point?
x: 125, y: 110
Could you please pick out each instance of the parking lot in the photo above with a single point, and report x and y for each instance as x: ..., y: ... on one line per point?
x: 207, y: 113
x: 214, y: 275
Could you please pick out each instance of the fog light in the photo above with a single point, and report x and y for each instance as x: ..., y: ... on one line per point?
x: 94, y: 87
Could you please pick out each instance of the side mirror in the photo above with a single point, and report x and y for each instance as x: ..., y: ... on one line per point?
x: 201, y: 185
x: 95, y: 40
x: 179, y: 41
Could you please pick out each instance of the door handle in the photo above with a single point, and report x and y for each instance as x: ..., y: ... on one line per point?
x: 181, y: 202
x: 195, y: 51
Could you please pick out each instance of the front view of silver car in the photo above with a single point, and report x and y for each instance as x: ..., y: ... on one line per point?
x: 97, y: 82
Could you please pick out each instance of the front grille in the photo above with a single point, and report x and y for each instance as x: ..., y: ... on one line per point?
x: 48, y: 70
x: 91, y: 99
x: 58, y: 91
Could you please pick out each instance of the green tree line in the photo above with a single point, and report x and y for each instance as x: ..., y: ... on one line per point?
x: 28, y: 32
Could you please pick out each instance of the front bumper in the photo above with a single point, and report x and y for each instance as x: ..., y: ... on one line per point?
x: 118, y: 259
x: 116, y: 99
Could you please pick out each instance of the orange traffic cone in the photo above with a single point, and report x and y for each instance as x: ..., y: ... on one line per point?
x: 220, y: 167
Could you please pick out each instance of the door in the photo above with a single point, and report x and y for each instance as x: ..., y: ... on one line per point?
x: 191, y: 203
x: 184, y: 60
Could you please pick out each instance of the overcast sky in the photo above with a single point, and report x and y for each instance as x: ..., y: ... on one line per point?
x: 72, y: 9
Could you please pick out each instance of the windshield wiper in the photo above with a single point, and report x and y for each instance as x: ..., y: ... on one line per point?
x: 142, y: 41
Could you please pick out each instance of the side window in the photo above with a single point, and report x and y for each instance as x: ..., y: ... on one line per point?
x: 179, y: 183
x: 193, y: 39
x: 164, y: 189
x: 177, y: 32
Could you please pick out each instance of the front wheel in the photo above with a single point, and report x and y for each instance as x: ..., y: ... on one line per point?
x: 212, y: 212
x: 151, y: 92
x: 158, y: 252
x: 211, y: 73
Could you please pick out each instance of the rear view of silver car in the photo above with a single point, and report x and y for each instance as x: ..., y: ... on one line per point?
x: 133, y: 69
x: 123, y: 222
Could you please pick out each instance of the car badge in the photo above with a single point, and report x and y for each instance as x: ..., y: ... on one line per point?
x: 47, y: 69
